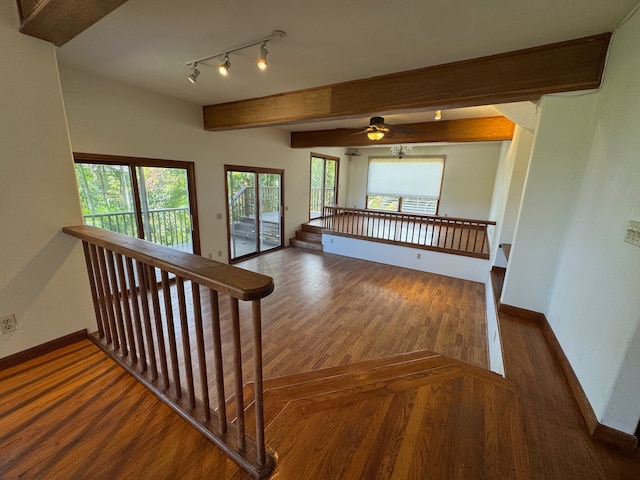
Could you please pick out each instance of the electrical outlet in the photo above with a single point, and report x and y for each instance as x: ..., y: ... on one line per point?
x: 632, y: 236
x: 8, y: 324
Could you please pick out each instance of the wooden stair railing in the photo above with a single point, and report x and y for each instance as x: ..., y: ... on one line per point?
x: 460, y: 236
x: 142, y: 336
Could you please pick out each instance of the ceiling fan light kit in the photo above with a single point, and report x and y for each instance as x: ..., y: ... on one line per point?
x: 223, y: 56
x: 377, y: 129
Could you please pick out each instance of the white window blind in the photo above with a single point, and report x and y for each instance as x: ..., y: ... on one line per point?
x: 410, y: 177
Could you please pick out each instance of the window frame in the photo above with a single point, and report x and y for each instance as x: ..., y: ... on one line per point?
x: 400, y: 197
x: 132, y: 163
x: 325, y: 158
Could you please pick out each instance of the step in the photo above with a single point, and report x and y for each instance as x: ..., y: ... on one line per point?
x: 308, y: 236
x: 280, y: 390
x: 293, y: 242
x: 312, y: 228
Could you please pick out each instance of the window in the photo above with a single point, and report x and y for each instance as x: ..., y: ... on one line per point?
x: 324, y: 184
x: 410, y: 185
x: 144, y: 198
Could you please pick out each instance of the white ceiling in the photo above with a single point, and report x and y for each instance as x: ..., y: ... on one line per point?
x: 146, y: 43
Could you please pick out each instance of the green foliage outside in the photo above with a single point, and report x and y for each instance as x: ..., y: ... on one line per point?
x: 106, y: 196
x: 323, y: 184
x: 241, y: 187
x: 107, y: 188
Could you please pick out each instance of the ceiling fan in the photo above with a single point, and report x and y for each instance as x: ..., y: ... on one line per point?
x: 377, y: 129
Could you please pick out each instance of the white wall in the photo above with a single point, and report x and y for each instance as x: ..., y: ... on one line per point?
x: 560, y: 145
x: 467, y: 186
x: 457, y: 266
x: 594, y: 307
x: 516, y: 186
x: 43, y: 280
x: 106, y: 117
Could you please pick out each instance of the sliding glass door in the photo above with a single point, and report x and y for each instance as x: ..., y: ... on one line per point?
x: 254, y: 210
x: 149, y: 199
x: 324, y: 184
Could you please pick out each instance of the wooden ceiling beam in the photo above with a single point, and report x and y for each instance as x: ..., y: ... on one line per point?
x: 508, y: 77
x: 462, y: 130
x: 58, y: 21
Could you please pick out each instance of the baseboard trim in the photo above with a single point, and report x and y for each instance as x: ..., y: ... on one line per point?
x: 522, y: 313
x: 38, y: 350
x: 597, y: 430
x: 624, y: 441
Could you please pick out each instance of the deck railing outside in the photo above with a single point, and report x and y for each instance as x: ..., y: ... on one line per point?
x: 166, y: 226
x: 462, y: 236
x: 320, y: 197
x: 147, y: 330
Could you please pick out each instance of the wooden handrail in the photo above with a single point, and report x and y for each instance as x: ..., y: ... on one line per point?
x: 235, y: 282
x: 461, y: 236
x: 148, y: 330
x: 408, y: 215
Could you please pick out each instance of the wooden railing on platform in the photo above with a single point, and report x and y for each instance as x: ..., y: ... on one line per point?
x: 128, y: 277
x: 461, y: 236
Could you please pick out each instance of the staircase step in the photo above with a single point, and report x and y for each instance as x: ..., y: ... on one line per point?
x: 309, y: 236
x: 303, y: 244
x: 345, y: 378
x: 312, y: 228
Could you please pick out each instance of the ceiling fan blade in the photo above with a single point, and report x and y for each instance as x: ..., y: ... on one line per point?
x: 403, y: 129
x: 360, y: 132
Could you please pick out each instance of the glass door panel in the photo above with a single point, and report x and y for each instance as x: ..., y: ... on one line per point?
x: 243, y: 221
x: 107, y: 197
x: 316, y: 200
x: 164, y: 205
x: 144, y: 198
x: 330, y: 181
x: 324, y: 185
x: 270, y: 211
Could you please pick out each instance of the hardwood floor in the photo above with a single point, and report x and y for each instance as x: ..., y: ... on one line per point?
x: 328, y: 310
x: 354, y: 390
x: 75, y: 414
x: 555, y: 432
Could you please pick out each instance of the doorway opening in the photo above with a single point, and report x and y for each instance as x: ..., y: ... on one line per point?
x: 255, y: 207
x: 324, y: 184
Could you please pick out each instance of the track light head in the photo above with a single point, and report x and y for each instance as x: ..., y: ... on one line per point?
x: 223, y: 68
x: 438, y: 115
x: 262, y: 61
x: 194, y: 73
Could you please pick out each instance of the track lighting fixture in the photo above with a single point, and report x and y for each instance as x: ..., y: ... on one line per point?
x: 224, y: 67
x: 438, y: 115
x: 262, y: 61
x: 194, y: 73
